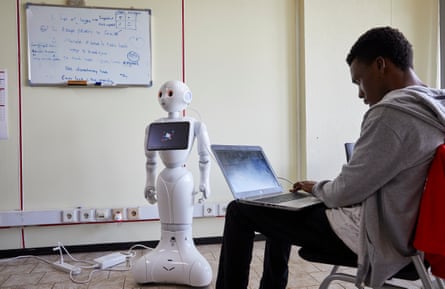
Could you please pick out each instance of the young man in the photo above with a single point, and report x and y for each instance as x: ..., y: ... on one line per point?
x: 369, y: 210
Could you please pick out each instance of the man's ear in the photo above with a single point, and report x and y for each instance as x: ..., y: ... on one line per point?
x: 381, y: 63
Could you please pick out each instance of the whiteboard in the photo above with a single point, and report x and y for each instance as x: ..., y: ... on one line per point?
x: 99, y: 46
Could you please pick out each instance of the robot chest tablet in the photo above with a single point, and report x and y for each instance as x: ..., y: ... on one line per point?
x: 164, y: 136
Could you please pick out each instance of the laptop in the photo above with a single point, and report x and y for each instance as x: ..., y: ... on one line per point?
x: 252, y: 180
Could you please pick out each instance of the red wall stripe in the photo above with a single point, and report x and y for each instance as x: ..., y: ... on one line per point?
x: 19, y: 76
x: 183, y: 41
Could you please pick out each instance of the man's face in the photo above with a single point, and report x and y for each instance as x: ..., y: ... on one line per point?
x: 370, y: 80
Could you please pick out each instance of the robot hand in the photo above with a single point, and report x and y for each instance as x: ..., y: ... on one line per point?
x: 205, y: 190
x: 150, y: 194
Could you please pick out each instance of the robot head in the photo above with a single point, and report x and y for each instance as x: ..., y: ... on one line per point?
x: 174, y: 96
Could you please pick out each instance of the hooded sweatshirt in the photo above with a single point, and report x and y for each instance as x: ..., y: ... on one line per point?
x: 386, y: 176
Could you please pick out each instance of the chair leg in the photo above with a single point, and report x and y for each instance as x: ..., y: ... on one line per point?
x: 439, y: 282
x: 418, y: 263
x: 423, y: 273
x: 334, y: 275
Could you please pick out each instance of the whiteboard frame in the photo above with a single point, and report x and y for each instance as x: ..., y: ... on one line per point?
x: 149, y: 82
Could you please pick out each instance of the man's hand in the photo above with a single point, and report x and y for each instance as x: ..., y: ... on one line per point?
x: 303, y: 185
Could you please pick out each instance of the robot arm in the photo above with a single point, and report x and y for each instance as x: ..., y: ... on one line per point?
x: 204, y: 158
x: 150, y: 166
x: 150, y: 188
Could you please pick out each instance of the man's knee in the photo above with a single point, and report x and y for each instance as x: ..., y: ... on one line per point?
x: 232, y: 209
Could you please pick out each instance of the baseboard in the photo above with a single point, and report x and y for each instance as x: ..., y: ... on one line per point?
x: 103, y: 247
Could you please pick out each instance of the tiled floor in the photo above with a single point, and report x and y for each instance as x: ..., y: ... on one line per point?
x: 31, y: 273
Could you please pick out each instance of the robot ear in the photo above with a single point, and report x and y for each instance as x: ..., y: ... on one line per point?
x: 188, y: 97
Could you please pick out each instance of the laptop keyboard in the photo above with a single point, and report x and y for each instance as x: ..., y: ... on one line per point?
x: 281, y: 198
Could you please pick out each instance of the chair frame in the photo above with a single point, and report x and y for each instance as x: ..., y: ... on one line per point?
x: 417, y: 260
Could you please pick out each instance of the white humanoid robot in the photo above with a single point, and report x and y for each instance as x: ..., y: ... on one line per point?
x: 175, y: 259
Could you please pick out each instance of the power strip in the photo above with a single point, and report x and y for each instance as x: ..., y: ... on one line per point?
x: 110, y: 260
x: 66, y: 267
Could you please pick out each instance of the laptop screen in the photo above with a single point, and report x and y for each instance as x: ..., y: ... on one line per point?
x: 246, y: 170
x: 168, y: 136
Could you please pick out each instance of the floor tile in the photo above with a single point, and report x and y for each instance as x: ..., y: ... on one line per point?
x: 32, y: 273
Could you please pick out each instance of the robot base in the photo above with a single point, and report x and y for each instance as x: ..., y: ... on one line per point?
x: 175, y: 260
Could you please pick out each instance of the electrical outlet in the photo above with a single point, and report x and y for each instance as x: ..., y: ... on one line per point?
x: 117, y: 214
x: 209, y: 210
x: 222, y: 209
x: 70, y: 216
x: 87, y: 215
x: 102, y: 214
x: 132, y: 213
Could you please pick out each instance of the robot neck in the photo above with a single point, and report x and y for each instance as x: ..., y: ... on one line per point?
x: 175, y: 114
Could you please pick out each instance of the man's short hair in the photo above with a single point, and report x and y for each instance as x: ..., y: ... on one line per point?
x: 385, y: 42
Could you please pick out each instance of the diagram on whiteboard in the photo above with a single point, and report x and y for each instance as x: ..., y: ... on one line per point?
x: 99, y: 46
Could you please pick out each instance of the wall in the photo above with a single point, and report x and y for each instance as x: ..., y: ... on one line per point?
x: 333, y: 110
x: 268, y: 72
x: 84, y: 146
x: 9, y: 149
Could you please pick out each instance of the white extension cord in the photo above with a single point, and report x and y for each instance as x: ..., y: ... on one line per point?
x: 63, y: 266
x: 100, y: 263
x: 66, y: 267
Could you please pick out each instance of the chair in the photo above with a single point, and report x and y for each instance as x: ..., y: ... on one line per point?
x: 418, y: 269
x: 414, y: 271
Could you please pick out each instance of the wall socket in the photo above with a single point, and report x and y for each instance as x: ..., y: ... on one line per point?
x: 70, y: 216
x: 132, y: 213
x: 209, y: 210
x: 102, y: 214
x: 117, y: 214
x: 222, y: 207
x: 87, y: 215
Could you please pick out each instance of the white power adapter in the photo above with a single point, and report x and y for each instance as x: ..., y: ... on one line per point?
x: 110, y: 260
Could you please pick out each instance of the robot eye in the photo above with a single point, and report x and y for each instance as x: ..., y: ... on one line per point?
x: 160, y: 94
x: 170, y: 93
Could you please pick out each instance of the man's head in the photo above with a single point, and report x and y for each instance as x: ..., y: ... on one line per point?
x: 379, y: 62
x: 386, y: 42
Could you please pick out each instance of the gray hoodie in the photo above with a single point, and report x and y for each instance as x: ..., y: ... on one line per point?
x: 386, y: 175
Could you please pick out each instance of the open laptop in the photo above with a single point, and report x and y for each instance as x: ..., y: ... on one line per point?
x: 252, y: 180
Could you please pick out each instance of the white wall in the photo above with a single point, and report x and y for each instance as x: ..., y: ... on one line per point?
x: 268, y: 72
x: 333, y: 110
x: 9, y: 148
x: 9, y: 162
x: 84, y: 147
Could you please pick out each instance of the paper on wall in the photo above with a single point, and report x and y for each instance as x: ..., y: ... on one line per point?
x: 3, y: 105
